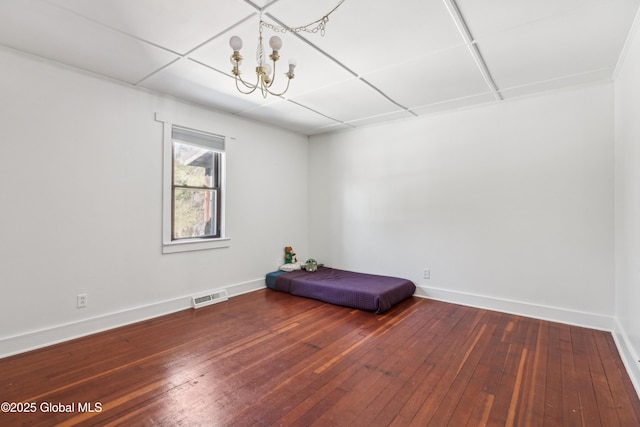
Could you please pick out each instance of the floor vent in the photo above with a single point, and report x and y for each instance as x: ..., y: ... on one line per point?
x: 209, y: 298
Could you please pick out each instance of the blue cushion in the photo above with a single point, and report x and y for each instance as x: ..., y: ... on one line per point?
x: 271, y: 278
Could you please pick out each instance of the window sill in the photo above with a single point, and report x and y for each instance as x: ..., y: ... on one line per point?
x: 195, y: 245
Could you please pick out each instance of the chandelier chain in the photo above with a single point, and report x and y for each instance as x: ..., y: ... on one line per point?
x: 314, y: 27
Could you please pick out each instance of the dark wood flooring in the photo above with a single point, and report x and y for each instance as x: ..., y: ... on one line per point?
x: 268, y: 358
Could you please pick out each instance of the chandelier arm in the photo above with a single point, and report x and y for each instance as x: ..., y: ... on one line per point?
x: 247, y: 85
x: 281, y: 93
x: 253, y: 88
x: 273, y: 75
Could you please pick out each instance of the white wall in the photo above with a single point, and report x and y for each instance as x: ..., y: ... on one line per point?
x: 81, y: 188
x: 510, y: 205
x: 627, y: 159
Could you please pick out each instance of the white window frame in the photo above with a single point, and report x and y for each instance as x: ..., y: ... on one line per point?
x: 183, y: 245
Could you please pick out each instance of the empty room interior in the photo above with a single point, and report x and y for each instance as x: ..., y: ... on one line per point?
x: 159, y: 156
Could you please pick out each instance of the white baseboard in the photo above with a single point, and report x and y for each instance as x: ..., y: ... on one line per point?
x: 65, y: 332
x: 629, y: 357
x: 553, y: 314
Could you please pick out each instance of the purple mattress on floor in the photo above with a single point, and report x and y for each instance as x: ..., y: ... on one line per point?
x: 368, y: 292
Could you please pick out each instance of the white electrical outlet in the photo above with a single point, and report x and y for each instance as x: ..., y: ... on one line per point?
x: 427, y: 273
x: 81, y: 301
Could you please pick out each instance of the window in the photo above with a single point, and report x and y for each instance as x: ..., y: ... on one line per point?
x: 194, y: 190
x: 195, y: 187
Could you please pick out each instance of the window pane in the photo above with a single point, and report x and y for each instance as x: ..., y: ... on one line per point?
x: 194, y: 213
x: 192, y: 165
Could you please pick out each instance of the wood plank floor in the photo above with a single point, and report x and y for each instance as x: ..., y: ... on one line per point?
x: 268, y: 358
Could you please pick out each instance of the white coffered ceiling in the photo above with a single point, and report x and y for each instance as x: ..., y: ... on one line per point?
x: 379, y: 60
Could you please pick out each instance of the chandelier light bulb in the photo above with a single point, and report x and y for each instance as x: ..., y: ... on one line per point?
x: 292, y: 66
x: 276, y: 43
x: 236, y: 43
x: 267, y: 68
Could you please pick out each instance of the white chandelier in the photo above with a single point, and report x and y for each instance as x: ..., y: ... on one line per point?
x: 265, y: 72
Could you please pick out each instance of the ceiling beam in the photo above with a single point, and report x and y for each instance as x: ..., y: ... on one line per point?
x: 463, y: 28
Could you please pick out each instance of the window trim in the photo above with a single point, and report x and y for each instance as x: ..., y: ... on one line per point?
x: 196, y: 244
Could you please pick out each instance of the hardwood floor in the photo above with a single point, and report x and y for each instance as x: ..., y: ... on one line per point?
x: 268, y: 358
